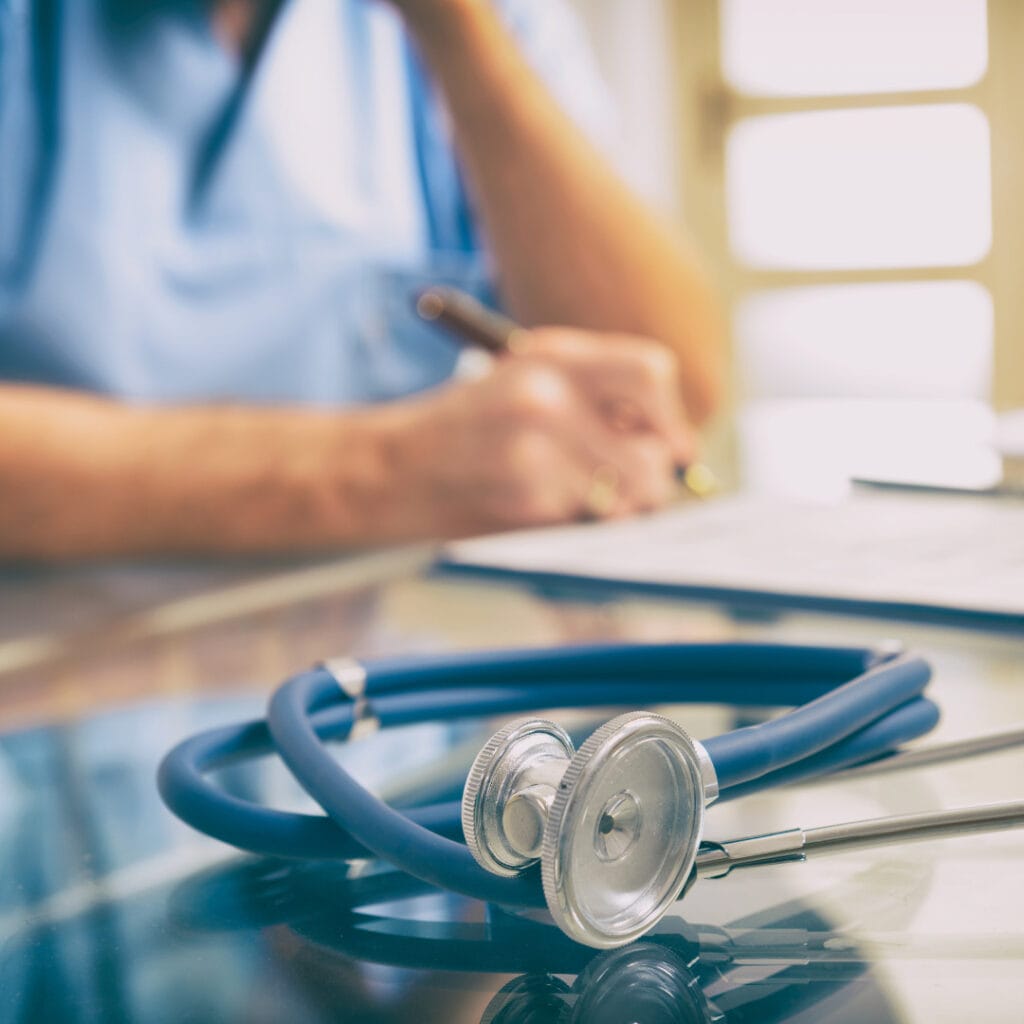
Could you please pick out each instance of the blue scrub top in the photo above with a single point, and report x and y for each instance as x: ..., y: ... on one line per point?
x: 177, y: 227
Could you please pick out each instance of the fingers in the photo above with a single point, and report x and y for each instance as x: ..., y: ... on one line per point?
x: 552, y: 479
x: 630, y: 474
x: 568, y: 462
x: 632, y: 383
x: 529, y: 445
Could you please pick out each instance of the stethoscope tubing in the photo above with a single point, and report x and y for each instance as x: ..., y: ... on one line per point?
x: 750, y: 753
x: 390, y: 834
x: 745, y: 661
x: 863, y: 719
x: 262, y: 830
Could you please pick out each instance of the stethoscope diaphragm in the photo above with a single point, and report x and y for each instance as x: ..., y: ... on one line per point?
x: 615, y: 825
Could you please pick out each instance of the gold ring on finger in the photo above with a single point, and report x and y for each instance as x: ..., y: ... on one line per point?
x: 603, y: 493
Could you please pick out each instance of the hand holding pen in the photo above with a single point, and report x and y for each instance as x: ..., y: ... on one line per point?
x: 632, y: 386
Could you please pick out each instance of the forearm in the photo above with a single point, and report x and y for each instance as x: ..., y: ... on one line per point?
x: 81, y: 477
x: 573, y: 244
x: 85, y: 477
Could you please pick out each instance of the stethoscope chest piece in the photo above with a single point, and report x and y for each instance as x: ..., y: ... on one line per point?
x: 616, y: 825
x: 509, y: 791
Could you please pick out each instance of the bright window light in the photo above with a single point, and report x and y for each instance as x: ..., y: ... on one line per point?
x: 863, y: 188
x: 810, y: 448
x: 828, y: 47
x: 921, y: 339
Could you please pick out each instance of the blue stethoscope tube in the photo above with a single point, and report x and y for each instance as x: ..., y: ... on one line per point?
x: 855, y: 704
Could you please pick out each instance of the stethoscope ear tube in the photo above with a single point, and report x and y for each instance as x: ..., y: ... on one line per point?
x: 751, y: 753
x: 387, y: 832
x: 184, y: 786
x: 905, y: 723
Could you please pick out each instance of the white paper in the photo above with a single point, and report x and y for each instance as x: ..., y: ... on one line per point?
x: 937, y: 552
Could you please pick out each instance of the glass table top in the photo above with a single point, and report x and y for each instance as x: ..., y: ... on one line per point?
x: 111, y: 909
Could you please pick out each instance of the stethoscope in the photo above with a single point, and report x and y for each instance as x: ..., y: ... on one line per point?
x: 616, y: 826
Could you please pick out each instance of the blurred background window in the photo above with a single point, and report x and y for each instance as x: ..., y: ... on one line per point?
x: 836, y: 47
x: 855, y: 171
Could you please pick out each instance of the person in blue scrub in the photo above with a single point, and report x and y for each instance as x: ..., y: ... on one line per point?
x: 213, y: 214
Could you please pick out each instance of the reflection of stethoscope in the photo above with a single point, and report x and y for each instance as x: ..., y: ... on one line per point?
x: 788, y: 961
x: 644, y: 983
x: 652, y: 984
x: 616, y: 826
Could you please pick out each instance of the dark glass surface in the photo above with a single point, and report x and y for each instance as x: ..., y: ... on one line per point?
x: 111, y: 910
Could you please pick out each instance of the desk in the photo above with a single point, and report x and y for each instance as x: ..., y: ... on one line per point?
x: 112, y: 910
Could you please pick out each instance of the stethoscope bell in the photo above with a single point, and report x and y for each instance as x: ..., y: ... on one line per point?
x: 616, y: 826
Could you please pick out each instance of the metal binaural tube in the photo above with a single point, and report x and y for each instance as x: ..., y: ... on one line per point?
x: 923, y: 757
x: 913, y: 827
x: 715, y: 860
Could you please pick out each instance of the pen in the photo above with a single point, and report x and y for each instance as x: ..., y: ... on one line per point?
x: 468, y: 321
x: 471, y: 323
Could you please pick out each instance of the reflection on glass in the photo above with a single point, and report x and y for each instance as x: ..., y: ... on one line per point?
x: 919, y: 339
x: 111, y: 910
x: 896, y: 187
x: 641, y: 983
x: 826, y: 47
x: 785, y: 963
